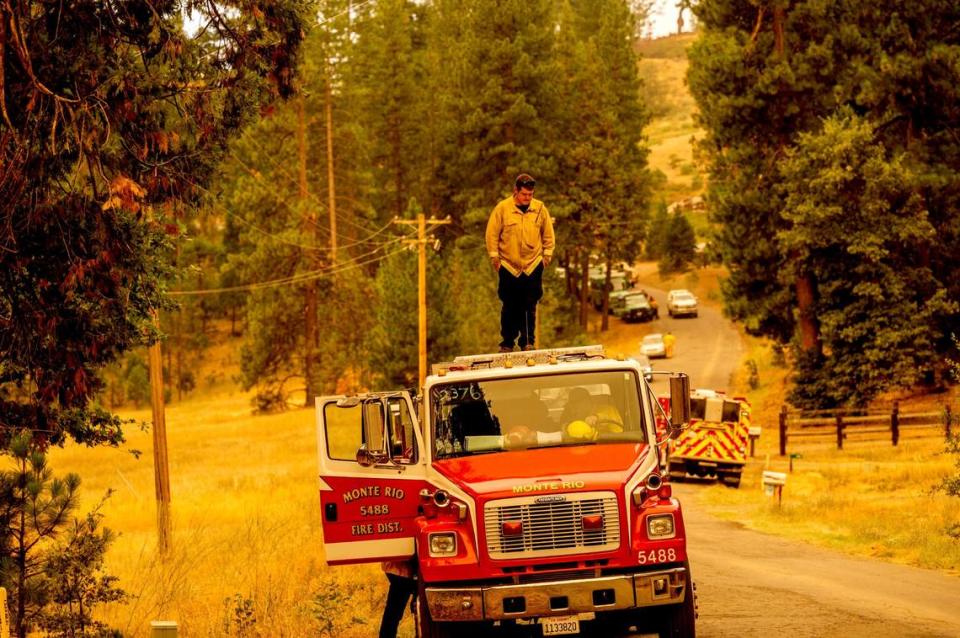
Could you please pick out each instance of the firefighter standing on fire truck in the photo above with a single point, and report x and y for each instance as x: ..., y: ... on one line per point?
x: 520, y: 245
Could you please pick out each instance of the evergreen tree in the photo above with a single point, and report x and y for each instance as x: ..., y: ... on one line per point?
x: 679, y: 245
x: 75, y: 571
x: 34, y: 507
x: 855, y: 219
x: 657, y: 235
x: 492, y: 102
x: 604, y: 188
x: 766, y: 74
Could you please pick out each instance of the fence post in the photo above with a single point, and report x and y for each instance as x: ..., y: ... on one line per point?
x: 948, y: 421
x: 783, y: 430
x: 4, y: 619
x: 839, y: 430
x: 895, y: 423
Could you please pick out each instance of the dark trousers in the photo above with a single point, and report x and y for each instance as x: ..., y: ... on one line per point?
x: 519, y: 295
x: 400, y: 592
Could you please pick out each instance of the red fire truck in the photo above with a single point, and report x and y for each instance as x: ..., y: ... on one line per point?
x: 526, y: 485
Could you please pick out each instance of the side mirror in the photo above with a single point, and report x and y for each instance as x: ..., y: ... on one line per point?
x: 374, y: 448
x: 679, y: 400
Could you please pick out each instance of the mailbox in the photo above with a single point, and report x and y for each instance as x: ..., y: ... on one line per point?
x: 773, y: 481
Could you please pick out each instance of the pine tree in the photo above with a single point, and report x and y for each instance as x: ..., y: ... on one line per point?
x: 657, y: 234
x: 604, y: 189
x: 492, y: 103
x: 34, y: 507
x: 75, y: 572
x: 679, y: 245
x: 765, y: 75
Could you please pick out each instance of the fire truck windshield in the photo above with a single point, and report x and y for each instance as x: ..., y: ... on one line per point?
x: 497, y: 415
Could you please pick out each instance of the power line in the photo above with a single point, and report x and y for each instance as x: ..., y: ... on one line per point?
x: 295, y: 279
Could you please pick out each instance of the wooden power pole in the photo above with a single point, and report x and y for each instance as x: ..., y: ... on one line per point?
x: 421, y: 242
x: 161, y: 467
x: 331, y: 184
x: 308, y: 230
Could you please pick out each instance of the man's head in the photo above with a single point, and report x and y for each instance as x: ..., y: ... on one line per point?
x: 523, y: 189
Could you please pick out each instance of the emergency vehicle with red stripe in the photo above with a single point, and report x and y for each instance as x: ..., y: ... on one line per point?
x: 527, y: 487
x: 715, y: 442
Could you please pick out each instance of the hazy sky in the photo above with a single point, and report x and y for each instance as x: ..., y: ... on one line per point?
x: 665, y: 18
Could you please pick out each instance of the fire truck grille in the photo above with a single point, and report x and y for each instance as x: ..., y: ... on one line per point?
x: 554, y: 525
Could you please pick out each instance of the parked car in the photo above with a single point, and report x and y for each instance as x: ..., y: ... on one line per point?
x: 618, y: 300
x: 618, y: 282
x: 636, y: 307
x: 681, y: 302
x: 653, y: 346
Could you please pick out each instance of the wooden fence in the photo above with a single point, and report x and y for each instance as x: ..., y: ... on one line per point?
x: 862, y: 425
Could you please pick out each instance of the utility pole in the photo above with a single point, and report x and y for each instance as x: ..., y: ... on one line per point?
x: 308, y: 229
x: 331, y: 186
x: 421, y: 241
x: 161, y: 468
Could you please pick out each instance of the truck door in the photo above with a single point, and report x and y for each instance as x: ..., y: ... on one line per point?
x: 372, y: 468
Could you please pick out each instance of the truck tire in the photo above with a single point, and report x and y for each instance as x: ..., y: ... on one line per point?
x: 680, y: 621
x: 731, y: 480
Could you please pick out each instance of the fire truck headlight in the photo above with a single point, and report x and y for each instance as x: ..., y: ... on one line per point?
x: 443, y: 544
x: 660, y: 526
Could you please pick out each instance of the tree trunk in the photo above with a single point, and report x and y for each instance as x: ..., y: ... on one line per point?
x: 584, y: 285
x: 605, y: 321
x: 807, y: 314
x: 308, y: 229
x: 778, y: 36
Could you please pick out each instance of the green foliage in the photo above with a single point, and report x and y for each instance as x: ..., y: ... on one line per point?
x: 951, y: 484
x: 833, y: 178
x: 136, y: 380
x: 679, y: 245
x: 512, y: 96
x: 657, y: 235
x: 34, y: 507
x: 112, y: 119
x: 77, y: 582
x: 845, y: 197
x: 604, y: 184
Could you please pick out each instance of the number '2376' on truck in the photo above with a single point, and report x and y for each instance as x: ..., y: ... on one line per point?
x: 527, y: 487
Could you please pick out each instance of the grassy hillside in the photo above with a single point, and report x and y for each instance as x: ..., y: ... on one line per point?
x: 663, y: 67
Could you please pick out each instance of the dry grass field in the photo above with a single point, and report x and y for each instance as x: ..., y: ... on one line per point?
x: 870, y: 499
x: 247, y: 556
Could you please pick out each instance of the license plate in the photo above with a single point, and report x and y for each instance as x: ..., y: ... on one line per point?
x: 560, y: 625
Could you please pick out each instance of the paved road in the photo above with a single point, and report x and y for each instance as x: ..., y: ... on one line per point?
x: 753, y: 584
x: 708, y: 347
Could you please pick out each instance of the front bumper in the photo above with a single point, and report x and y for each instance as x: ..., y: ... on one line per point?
x: 533, y: 600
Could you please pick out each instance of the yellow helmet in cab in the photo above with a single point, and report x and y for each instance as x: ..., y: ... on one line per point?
x: 581, y: 430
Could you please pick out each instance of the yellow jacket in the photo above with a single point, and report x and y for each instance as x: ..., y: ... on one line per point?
x: 519, y: 239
